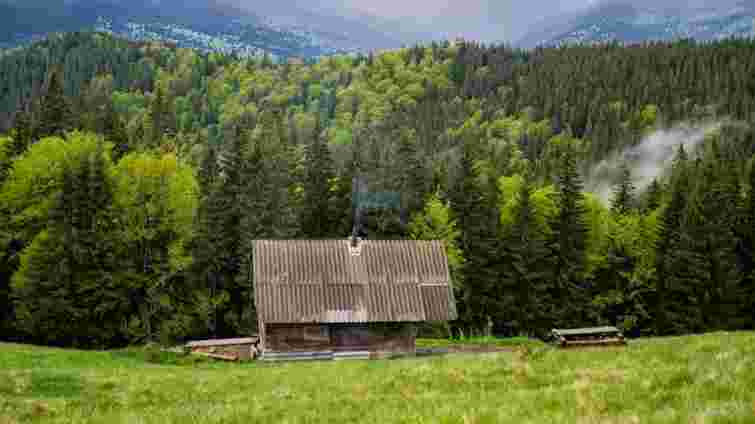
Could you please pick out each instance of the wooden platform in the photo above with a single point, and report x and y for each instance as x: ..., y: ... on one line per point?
x: 584, y: 337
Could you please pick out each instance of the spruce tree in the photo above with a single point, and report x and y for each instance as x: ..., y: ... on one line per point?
x: 746, y: 251
x: 669, y: 244
x: 411, y: 173
x: 480, y: 244
x: 568, y: 245
x: 523, y: 289
x: 317, y: 219
x: 157, y: 116
x: 55, y: 115
x: 22, y: 133
x: 652, y: 196
x: 715, y: 241
x: 623, y: 195
x: 114, y: 130
x: 68, y: 291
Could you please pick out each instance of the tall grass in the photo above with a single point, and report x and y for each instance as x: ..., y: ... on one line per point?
x: 695, y: 379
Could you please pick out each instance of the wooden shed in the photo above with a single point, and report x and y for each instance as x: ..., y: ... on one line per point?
x: 315, y: 297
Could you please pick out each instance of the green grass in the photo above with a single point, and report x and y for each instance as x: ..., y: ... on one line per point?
x: 695, y: 379
x: 480, y: 341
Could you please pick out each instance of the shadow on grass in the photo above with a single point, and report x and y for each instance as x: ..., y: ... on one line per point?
x: 50, y: 384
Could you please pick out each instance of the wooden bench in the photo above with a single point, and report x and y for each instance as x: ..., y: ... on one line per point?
x: 596, y: 336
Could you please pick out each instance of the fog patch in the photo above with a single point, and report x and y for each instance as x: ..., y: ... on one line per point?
x: 649, y: 159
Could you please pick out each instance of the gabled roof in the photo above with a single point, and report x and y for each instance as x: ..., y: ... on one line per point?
x: 298, y: 281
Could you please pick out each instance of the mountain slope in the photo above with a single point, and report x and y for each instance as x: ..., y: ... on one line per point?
x: 643, y: 20
x: 203, y: 24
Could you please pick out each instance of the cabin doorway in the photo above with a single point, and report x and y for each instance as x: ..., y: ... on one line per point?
x: 350, y: 337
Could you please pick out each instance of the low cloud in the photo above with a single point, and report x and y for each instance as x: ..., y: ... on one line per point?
x: 648, y: 160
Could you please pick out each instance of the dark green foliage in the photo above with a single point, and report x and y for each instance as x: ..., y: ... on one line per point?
x: 479, y: 243
x: 524, y: 289
x: 55, y: 114
x: 276, y: 149
x: 568, y: 247
x: 746, y: 248
x: 652, y: 196
x: 318, y: 214
x: 669, y: 250
x: 69, y: 292
x: 623, y: 195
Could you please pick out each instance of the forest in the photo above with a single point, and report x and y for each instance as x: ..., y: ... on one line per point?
x: 134, y: 178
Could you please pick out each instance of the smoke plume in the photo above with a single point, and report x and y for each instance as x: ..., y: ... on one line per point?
x: 649, y: 159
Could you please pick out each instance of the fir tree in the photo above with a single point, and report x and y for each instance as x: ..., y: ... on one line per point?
x: 68, y: 291
x: 669, y: 243
x: 317, y: 220
x: 480, y: 244
x: 652, y: 197
x: 22, y: 133
x: 55, y: 115
x: 523, y: 290
x: 746, y: 248
x: 568, y: 245
x: 623, y: 196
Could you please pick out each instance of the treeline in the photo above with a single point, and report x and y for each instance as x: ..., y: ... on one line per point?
x: 134, y: 178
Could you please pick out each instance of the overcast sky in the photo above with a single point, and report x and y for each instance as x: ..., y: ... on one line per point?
x: 486, y: 20
x: 478, y: 19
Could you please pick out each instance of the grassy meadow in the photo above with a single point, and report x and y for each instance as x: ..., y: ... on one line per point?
x: 694, y: 379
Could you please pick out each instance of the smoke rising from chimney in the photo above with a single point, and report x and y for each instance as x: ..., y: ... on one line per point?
x: 648, y: 160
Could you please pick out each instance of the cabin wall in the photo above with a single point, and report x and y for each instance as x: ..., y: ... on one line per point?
x: 296, y: 338
x: 379, y: 338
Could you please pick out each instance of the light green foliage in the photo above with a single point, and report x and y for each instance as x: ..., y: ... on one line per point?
x: 37, y: 174
x: 649, y: 116
x: 544, y: 203
x: 141, y: 180
x: 5, y: 151
x: 435, y: 223
x: 598, y: 220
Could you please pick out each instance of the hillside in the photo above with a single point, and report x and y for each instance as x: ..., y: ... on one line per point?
x: 635, y: 22
x: 572, y: 187
x: 670, y: 380
x: 207, y: 25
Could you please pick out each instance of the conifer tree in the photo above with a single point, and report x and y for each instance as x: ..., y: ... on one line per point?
x: 670, y: 237
x: 652, y: 197
x: 22, y: 133
x: 68, y: 291
x: 568, y: 245
x: 524, y: 290
x: 746, y: 235
x: 715, y: 242
x: 114, y: 131
x: 157, y: 116
x: 411, y: 175
x: 55, y: 115
x: 317, y: 219
x: 480, y: 244
x: 623, y: 195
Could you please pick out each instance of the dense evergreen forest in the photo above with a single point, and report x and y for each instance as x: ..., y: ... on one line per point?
x: 134, y: 177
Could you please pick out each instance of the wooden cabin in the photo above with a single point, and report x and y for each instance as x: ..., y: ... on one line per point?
x: 316, y: 298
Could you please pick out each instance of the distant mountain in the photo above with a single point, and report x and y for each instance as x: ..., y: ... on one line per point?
x: 645, y: 20
x: 213, y: 25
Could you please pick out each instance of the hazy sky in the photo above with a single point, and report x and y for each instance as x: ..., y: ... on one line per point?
x: 478, y: 19
x: 486, y: 20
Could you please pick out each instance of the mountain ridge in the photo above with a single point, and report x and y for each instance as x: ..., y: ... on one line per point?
x: 210, y: 25
x: 622, y: 21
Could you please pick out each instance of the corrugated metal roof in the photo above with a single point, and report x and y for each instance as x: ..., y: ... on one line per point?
x: 299, y: 281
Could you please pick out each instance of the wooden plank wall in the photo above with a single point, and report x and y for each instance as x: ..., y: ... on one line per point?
x: 322, y: 337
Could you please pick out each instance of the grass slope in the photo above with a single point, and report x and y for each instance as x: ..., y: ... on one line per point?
x: 707, y: 378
